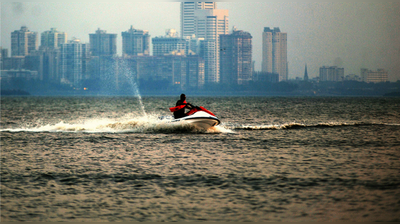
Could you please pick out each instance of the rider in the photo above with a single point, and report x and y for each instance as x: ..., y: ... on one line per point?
x: 181, y: 112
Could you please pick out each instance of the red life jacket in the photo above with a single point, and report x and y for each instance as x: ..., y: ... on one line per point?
x: 173, y: 109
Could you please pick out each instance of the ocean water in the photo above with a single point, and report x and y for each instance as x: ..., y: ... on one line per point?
x: 271, y: 159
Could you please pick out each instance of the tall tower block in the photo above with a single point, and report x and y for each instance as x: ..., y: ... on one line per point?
x: 274, y: 53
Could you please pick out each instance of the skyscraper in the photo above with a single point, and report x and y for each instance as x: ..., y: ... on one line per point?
x: 73, y: 62
x: 168, y: 44
x: 23, y: 42
x: 194, y: 71
x: 188, y: 27
x: 103, y: 43
x: 235, y: 57
x: 135, y: 42
x: 51, y: 64
x: 103, y: 48
x: 193, y: 45
x: 209, y: 23
x: 203, y: 20
x: 52, y: 39
x: 274, y: 56
x: 209, y: 52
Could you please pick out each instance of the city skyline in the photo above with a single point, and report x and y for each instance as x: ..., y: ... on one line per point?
x: 358, y: 34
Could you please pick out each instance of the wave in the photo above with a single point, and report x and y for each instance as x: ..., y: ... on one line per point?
x: 153, y: 124
x: 302, y: 126
x: 145, y: 124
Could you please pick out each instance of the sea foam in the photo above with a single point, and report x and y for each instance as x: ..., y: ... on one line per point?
x: 141, y: 124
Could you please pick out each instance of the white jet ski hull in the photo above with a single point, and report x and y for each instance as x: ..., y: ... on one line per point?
x: 200, y: 120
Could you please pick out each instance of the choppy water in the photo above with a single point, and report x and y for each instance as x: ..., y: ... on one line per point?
x: 271, y: 159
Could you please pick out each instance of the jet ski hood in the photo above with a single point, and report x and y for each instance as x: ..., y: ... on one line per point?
x: 200, y: 117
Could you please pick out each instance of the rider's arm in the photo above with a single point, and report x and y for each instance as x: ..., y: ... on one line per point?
x: 190, y: 106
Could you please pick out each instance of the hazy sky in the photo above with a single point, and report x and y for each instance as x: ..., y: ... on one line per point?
x: 351, y: 34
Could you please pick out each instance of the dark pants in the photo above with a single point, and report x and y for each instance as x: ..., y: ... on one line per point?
x: 179, y: 113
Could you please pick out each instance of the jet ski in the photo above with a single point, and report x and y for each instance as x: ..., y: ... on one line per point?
x: 199, y: 117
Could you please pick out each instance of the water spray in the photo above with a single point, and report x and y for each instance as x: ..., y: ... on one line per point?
x: 124, y: 69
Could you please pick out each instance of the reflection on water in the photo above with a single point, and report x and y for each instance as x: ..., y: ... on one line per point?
x: 272, y: 159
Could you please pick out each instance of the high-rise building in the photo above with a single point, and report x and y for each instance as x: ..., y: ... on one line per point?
x: 49, y: 53
x: 73, y: 62
x: 194, y: 71
x: 188, y: 18
x: 331, y: 73
x: 34, y: 62
x: 381, y: 75
x: 103, y: 48
x: 23, y: 42
x: 193, y: 45
x: 51, y: 65
x: 169, y: 44
x: 52, y: 39
x: 3, y: 55
x: 208, y: 51
x: 235, y: 58
x: 135, y: 42
x: 211, y: 23
x: 274, y: 52
x: 203, y: 20
x: 103, y: 43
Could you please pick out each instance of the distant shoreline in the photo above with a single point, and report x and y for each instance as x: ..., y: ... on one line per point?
x: 14, y: 92
x: 392, y: 94
x: 189, y: 93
